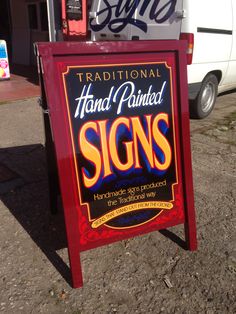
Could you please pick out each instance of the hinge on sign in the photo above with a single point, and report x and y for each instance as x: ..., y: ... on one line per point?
x: 46, y: 111
x: 40, y: 102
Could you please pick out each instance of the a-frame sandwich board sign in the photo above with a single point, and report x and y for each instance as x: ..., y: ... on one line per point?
x: 119, y: 123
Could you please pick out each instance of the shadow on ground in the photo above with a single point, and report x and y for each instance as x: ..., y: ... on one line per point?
x: 30, y: 73
x: 24, y: 191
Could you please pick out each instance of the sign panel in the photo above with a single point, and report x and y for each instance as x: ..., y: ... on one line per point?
x: 4, y: 63
x: 116, y: 123
x: 123, y: 133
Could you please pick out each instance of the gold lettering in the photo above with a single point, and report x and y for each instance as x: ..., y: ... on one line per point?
x: 97, y: 77
x: 80, y: 75
x: 89, y: 77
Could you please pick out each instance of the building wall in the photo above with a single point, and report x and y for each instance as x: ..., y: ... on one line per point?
x: 20, y: 32
x: 25, y: 31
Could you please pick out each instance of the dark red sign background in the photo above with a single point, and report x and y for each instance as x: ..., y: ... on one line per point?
x: 141, y: 199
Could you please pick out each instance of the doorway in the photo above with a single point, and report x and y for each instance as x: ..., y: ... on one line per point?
x: 5, y: 25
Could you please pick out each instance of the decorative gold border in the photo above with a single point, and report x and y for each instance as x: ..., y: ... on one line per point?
x: 72, y: 139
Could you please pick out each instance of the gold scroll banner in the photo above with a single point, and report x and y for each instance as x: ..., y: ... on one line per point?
x: 130, y: 208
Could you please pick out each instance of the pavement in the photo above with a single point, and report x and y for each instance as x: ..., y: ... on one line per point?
x: 147, y: 274
x: 23, y: 84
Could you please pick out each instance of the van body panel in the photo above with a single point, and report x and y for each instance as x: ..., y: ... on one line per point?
x: 213, y: 14
x: 135, y: 19
x: 212, y: 23
x: 230, y: 77
x: 197, y: 71
x: 169, y: 29
x: 208, y: 48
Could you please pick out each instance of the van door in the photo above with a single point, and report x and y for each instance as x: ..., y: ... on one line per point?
x: 230, y: 77
x: 136, y: 19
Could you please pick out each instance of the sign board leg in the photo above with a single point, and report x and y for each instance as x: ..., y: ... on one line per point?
x: 53, y: 182
x: 75, y: 265
x: 190, y: 220
x: 190, y: 236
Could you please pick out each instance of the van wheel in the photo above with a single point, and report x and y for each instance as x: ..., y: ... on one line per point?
x: 204, y: 103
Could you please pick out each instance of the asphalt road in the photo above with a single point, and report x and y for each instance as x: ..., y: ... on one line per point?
x: 147, y: 274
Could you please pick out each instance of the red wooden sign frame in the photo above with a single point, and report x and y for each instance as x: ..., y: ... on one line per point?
x: 57, y: 62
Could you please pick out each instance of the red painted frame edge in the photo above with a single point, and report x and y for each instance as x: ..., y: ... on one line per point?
x: 190, y: 224
x: 49, y: 50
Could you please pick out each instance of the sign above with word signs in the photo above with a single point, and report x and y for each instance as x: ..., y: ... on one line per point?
x: 119, y: 119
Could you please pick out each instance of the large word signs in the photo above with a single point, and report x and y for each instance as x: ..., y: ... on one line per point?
x: 119, y: 119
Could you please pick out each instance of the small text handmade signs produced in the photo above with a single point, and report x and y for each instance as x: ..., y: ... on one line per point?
x: 119, y: 119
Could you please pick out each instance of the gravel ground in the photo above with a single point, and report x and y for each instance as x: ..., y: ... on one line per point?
x: 147, y: 274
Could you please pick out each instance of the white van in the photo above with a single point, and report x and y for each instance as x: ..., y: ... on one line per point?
x: 209, y: 26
